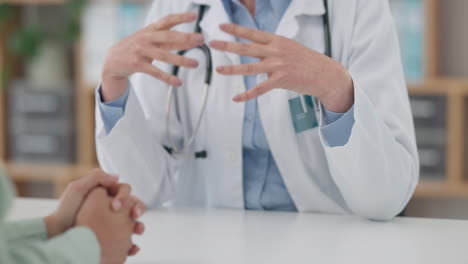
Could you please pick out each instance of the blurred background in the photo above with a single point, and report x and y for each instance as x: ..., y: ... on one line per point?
x: 51, y: 53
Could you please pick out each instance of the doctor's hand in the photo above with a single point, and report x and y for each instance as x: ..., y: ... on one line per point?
x: 112, y: 229
x: 75, y: 194
x: 136, y: 53
x: 289, y: 65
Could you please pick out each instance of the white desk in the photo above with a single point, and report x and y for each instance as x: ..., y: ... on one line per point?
x: 206, y: 237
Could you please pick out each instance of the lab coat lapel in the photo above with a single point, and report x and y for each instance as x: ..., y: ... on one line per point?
x: 276, y: 119
x: 289, y: 25
x: 227, y: 123
x: 215, y: 16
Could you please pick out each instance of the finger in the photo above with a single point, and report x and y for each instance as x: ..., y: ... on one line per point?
x: 171, y: 58
x: 95, y: 178
x: 173, y: 20
x: 133, y: 250
x: 139, y: 228
x: 109, y: 182
x: 254, y: 35
x: 175, y: 46
x: 160, y: 75
x: 138, y: 209
x: 113, y: 190
x: 122, y: 196
x: 243, y: 49
x: 258, y: 90
x: 246, y: 69
x: 177, y: 37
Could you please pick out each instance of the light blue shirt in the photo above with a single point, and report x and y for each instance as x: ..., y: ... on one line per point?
x: 264, y: 188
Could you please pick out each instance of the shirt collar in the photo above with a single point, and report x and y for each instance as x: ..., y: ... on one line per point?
x: 279, y: 7
x: 288, y: 27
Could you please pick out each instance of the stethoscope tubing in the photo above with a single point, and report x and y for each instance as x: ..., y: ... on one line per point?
x: 207, y: 83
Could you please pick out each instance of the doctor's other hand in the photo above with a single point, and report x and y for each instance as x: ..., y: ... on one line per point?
x: 136, y: 53
x: 113, y: 229
x: 289, y: 65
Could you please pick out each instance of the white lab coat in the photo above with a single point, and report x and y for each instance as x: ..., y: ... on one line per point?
x: 373, y: 175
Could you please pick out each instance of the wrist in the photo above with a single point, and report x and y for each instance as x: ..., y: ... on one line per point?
x: 339, y: 98
x: 112, y: 87
x: 53, y: 226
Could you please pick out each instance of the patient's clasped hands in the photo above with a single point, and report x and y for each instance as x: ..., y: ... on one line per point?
x: 98, y: 202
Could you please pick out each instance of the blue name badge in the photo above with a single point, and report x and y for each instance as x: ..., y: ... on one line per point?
x: 303, y: 113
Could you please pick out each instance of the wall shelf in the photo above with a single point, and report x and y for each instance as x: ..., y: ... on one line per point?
x: 49, y: 2
x: 57, y: 174
x: 442, y: 86
x: 440, y: 190
x: 33, y: 2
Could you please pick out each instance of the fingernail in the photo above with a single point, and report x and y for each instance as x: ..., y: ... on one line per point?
x: 199, y: 39
x: 138, y: 212
x: 116, y: 204
x: 220, y: 68
x: 194, y: 63
x: 114, y: 176
x: 178, y: 83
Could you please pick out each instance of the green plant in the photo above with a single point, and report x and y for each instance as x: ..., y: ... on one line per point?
x: 4, y: 77
x: 6, y: 12
x: 26, y: 42
x: 74, y: 9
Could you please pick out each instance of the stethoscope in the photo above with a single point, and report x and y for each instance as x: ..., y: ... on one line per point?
x: 202, y: 154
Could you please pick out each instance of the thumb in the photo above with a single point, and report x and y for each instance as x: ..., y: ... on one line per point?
x: 96, y: 178
x: 109, y: 181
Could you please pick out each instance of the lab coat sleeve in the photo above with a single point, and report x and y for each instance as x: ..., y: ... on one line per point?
x: 133, y: 149
x: 377, y: 169
x: 25, y: 242
x: 111, y: 111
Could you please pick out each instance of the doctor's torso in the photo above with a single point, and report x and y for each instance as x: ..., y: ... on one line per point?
x: 221, y: 133
x: 372, y: 174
